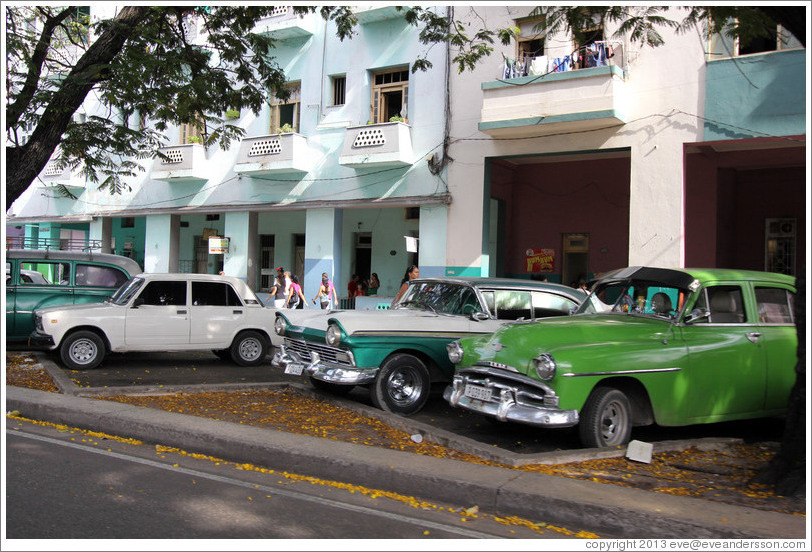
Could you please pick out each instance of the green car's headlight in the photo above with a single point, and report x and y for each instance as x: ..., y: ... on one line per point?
x: 280, y: 326
x: 333, y: 336
x: 545, y: 366
x: 455, y: 352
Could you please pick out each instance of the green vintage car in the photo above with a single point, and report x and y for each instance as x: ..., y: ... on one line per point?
x: 400, y: 352
x: 649, y: 345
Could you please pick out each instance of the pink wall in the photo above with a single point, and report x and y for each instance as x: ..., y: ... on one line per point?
x: 547, y: 200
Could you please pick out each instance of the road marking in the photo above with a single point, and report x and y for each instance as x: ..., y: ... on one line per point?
x: 254, y: 487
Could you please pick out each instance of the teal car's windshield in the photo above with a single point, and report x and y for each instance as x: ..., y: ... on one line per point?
x: 127, y: 290
x: 637, y: 297
x: 441, y: 297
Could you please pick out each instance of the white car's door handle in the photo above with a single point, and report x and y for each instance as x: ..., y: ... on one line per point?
x: 181, y: 311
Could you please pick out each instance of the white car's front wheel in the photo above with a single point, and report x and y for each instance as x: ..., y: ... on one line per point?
x: 82, y: 350
x: 249, y: 348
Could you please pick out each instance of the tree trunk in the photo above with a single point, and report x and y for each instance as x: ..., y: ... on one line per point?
x: 787, y: 470
x: 24, y: 163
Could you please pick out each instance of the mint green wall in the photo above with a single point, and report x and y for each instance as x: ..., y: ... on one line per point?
x: 756, y: 95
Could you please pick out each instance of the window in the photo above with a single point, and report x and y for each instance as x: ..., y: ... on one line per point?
x: 779, y: 255
x: 389, y: 95
x: 512, y: 305
x: 214, y: 294
x: 191, y: 133
x: 529, y: 44
x: 164, y: 293
x: 722, y: 46
x: 286, y: 112
x: 775, y: 305
x: 99, y: 276
x: 547, y: 304
x: 339, y: 90
x: 128, y: 222
x: 725, y: 304
x: 45, y: 273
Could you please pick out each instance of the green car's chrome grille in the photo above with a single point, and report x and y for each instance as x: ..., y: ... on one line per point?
x: 304, y: 349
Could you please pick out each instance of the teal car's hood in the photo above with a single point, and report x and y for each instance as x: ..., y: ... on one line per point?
x: 518, y: 344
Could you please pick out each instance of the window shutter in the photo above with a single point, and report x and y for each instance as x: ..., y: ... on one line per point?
x: 375, y: 107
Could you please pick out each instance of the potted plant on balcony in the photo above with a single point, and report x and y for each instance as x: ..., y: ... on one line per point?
x: 285, y: 129
x: 397, y: 119
x: 195, y: 140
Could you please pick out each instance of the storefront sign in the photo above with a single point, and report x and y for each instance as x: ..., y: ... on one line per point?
x: 218, y: 246
x: 540, y: 260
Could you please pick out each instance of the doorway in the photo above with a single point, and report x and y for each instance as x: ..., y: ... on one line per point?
x: 575, y: 264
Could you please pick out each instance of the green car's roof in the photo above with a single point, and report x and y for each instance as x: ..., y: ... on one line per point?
x: 682, y: 277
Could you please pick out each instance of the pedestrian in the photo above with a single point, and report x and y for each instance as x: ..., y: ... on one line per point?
x: 278, y: 292
x: 582, y: 285
x: 296, y: 299
x: 411, y: 273
x: 352, y: 287
x: 374, y: 284
x: 326, y: 291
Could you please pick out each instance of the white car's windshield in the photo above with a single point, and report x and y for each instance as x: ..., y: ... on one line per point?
x: 638, y: 297
x: 123, y: 294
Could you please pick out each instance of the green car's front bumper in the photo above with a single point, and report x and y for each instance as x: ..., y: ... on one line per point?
x: 508, y: 397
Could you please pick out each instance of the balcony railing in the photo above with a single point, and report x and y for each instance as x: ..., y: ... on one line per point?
x: 373, y: 14
x: 544, y: 96
x: 283, y: 24
x: 53, y: 175
x: 184, y: 163
x: 274, y: 154
x: 55, y: 244
x: 380, y: 145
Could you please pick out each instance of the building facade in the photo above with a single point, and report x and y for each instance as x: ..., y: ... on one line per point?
x: 563, y: 160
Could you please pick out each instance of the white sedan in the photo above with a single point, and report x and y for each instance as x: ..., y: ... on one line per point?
x: 161, y: 312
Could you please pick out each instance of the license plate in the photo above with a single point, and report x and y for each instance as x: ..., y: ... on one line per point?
x: 294, y: 369
x: 477, y: 392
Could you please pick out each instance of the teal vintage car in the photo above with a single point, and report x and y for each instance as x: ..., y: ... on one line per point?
x: 649, y: 345
x: 38, y: 278
x: 400, y: 352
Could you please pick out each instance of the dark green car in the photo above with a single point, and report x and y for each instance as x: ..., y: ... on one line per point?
x: 399, y: 353
x: 649, y: 345
x: 37, y: 278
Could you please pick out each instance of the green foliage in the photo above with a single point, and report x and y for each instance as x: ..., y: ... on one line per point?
x: 232, y: 114
x: 396, y: 119
x: 284, y: 129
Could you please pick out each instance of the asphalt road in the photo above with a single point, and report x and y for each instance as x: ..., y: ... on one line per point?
x: 63, y: 485
x: 188, y: 368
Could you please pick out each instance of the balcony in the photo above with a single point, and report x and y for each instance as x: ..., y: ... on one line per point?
x: 186, y: 163
x: 274, y: 155
x: 52, y: 175
x: 285, y: 25
x: 568, y: 101
x: 380, y: 146
x: 373, y: 14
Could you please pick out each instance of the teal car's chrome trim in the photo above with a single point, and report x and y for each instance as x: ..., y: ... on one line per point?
x: 621, y: 372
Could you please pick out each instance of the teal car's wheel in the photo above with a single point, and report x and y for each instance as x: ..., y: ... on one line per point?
x: 82, y: 350
x: 606, y: 420
x: 402, y: 385
x: 333, y: 388
x: 249, y: 348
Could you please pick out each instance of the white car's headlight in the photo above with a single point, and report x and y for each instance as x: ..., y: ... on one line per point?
x: 545, y: 366
x: 333, y: 336
x: 455, y: 352
x: 280, y: 326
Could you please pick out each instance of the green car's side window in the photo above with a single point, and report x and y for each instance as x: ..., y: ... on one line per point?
x: 775, y: 305
x: 45, y: 273
x: 725, y: 304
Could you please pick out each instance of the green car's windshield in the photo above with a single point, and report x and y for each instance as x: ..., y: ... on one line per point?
x: 440, y: 297
x: 636, y: 297
x: 129, y: 288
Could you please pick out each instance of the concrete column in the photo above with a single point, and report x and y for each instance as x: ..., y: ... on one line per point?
x: 101, y: 230
x: 161, y: 243
x: 322, y: 249
x: 49, y: 235
x: 242, y: 259
x: 431, y: 250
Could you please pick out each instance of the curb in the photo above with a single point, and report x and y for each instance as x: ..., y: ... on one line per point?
x: 607, y: 510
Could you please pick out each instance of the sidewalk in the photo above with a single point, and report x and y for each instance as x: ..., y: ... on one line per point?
x: 608, y: 510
